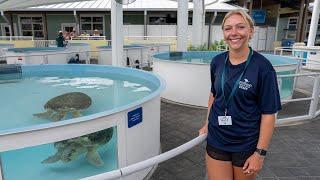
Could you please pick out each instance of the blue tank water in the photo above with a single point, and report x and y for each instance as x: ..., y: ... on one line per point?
x: 35, y: 49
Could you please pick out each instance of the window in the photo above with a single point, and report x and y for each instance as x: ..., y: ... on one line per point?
x: 292, y: 28
x: 308, y: 29
x: 293, y: 23
x: 162, y: 19
x: 32, y: 26
x: 157, y: 20
x: 90, y: 23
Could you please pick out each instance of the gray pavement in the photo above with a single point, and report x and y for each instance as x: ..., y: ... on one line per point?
x: 294, y: 151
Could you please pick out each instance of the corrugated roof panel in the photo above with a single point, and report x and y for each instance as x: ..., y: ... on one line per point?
x: 96, y: 4
x: 21, y: 4
x: 82, y: 5
x: 63, y: 6
x: 223, y: 7
x: 74, y: 4
x: 67, y: 5
x: 48, y: 6
x: 106, y: 4
x: 137, y: 5
x: 89, y: 4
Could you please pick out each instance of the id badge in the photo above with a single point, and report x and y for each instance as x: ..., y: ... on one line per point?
x: 224, y: 120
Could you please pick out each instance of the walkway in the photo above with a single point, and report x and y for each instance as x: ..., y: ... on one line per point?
x: 294, y: 151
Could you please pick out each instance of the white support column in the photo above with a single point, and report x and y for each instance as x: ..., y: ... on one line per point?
x: 76, y: 19
x: 182, y: 25
x: 145, y: 22
x: 197, y: 22
x: 314, y: 23
x: 117, y: 33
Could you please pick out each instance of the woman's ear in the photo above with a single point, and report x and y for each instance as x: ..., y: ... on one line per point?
x: 251, y: 32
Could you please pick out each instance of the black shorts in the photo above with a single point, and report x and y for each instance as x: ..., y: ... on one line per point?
x: 237, y: 159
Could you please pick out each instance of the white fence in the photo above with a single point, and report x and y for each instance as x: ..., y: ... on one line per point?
x: 13, y: 38
x: 44, y: 43
x: 262, y: 40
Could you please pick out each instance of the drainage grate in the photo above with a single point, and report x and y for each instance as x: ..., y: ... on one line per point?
x: 10, y: 73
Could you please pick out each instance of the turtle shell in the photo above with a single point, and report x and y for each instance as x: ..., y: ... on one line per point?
x: 75, y: 100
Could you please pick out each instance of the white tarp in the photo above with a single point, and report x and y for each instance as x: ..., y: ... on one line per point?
x: 6, y: 5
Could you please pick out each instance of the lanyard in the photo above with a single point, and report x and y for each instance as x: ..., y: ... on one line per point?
x: 236, y: 84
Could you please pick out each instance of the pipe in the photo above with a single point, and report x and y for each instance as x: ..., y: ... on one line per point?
x: 182, y: 24
x: 210, y: 27
x: 4, y: 17
x: 77, y: 22
x: 149, y: 162
x: 8, y: 22
x: 314, y: 23
x: 145, y: 29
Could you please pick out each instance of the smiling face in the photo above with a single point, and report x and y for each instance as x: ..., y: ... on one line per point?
x: 237, y: 32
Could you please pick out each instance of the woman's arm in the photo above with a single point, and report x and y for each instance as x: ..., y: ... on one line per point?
x: 266, y: 130
x: 255, y: 162
x: 204, y: 129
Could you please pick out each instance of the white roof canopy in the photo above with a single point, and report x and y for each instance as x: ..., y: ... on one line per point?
x: 6, y: 5
x: 138, y: 5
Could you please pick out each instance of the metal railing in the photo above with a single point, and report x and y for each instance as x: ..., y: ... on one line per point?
x: 149, y: 162
x: 151, y: 37
x: 89, y: 38
x: 313, y: 111
x: 290, y: 49
x: 44, y: 43
x: 125, y: 171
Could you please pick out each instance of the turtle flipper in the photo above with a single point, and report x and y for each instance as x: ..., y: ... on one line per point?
x: 76, y: 114
x: 52, y: 159
x: 58, y: 116
x: 44, y: 115
x: 94, y: 157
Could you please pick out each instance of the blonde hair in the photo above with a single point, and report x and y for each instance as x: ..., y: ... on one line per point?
x: 243, y: 14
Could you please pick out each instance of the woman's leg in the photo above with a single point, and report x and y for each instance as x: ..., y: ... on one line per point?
x: 239, y: 175
x: 218, y: 170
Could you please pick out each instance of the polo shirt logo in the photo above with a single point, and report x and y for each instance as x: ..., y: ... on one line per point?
x: 245, y: 85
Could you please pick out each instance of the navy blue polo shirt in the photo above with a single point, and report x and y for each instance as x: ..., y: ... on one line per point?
x: 256, y: 94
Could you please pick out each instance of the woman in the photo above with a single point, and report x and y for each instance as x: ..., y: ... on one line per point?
x: 242, y: 105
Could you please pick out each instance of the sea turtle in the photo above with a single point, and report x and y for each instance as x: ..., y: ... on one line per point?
x: 69, y: 150
x: 58, y: 107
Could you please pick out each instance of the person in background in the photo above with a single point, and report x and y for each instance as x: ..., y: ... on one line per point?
x: 96, y: 33
x: 242, y: 105
x: 60, y: 40
x: 73, y: 34
x: 74, y: 60
x: 67, y: 36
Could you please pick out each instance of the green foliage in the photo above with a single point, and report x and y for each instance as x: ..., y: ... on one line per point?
x: 215, y: 46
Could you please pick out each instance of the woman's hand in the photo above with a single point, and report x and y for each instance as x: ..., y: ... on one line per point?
x: 204, y: 129
x: 253, y: 164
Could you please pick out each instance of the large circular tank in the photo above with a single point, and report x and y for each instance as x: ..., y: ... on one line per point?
x: 75, y: 121
x: 134, y: 55
x: 188, y: 75
x: 33, y: 55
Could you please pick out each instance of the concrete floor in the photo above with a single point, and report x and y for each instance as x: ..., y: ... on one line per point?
x: 294, y: 151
